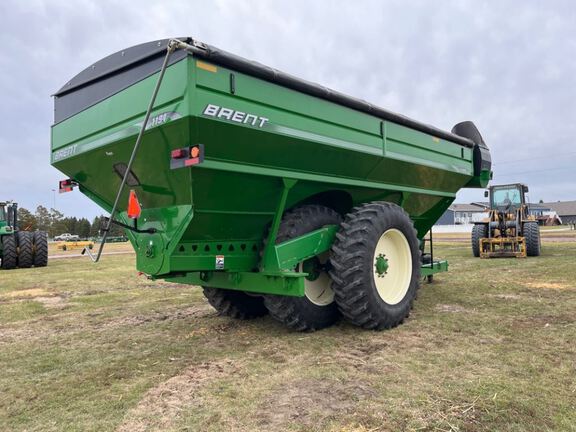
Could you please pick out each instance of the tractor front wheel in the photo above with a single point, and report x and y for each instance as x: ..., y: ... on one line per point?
x: 235, y: 304
x: 9, y: 252
x: 376, y: 266
x: 316, y: 309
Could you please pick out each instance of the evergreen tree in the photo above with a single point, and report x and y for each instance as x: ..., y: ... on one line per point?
x: 84, y: 228
x: 95, y: 227
x: 26, y: 220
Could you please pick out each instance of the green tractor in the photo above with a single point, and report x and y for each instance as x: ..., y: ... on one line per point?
x: 22, y: 249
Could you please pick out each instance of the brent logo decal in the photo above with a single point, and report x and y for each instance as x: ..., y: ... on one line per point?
x: 64, y: 153
x: 235, y: 116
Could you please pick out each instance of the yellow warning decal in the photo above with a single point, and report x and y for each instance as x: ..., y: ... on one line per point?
x: 206, y: 66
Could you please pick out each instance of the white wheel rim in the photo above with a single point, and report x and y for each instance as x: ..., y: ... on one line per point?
x: 319, y: 291
x: 393, y: 284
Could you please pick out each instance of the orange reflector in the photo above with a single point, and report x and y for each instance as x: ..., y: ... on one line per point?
x: 134, y: 208
x: 194, y: 152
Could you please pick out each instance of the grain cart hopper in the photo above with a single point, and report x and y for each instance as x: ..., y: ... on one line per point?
x: 22, y: 249
x: 509, y: 230
x: 274, y: 194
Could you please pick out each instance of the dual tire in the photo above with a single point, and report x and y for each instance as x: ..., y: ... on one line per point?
x: 376, y: 266
x: 40, y: 239
x: 9, y: 252
x: 370, y: 276
x: 24, y: 250
x: 317, y: 308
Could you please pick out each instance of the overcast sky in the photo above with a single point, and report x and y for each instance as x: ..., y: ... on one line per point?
x: 510, y: 66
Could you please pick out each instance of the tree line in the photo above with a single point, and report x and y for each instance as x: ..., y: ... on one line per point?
x: 55, y: 223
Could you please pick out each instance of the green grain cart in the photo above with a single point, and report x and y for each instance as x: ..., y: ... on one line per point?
x: 274, y: 194
x: 22, y: 249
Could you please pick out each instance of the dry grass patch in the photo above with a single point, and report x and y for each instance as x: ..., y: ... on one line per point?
x: 549, y: 285
x: 488, y: 347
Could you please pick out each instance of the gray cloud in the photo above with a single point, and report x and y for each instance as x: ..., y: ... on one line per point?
x: 509, y: 66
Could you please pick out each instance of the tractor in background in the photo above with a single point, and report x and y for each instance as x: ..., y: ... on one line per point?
x: 22, y: 249
x: 509, y: 230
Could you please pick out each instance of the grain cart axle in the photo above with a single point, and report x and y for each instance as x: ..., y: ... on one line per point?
x: 274, y: 194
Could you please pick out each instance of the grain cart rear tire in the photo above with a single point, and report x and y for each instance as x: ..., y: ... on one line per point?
x: 9, y: 252
x: 316, y: 309
x: 376, y: 266
x: 40, y: 248
x: 235, y: 304
x: 479, y: 231
x: 25, y: 249
x: 532, y: 236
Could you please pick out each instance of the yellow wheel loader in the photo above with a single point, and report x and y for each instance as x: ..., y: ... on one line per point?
x: 509, y: 230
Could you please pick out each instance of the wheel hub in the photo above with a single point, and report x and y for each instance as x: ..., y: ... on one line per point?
x: 313, y: 267
x: 317, y: 285
x: 381, y: 264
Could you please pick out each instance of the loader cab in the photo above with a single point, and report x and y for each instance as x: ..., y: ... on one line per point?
x: 507, y: 197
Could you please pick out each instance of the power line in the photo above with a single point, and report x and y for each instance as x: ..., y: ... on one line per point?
x: 534, y: 171
x: 553, y: 156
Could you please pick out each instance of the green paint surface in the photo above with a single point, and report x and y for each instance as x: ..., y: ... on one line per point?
x: 224, y: 206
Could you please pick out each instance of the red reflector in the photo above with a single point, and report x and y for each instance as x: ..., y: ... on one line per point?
x: 178, y: 153
x: 187, y: 156
x: 134, y: 208
x: 65, y: 186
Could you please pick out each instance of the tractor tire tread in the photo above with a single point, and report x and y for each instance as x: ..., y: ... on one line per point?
x: 479, y: 231
x: 9, y: 252
x: 25, y: 249
x: 532, y: 238
x: 351, y: 252
x: 235, y: 304
x: 40, y: 239
x: 298, y: 313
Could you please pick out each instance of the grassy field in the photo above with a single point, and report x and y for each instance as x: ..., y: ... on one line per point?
x: 490, y: 346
